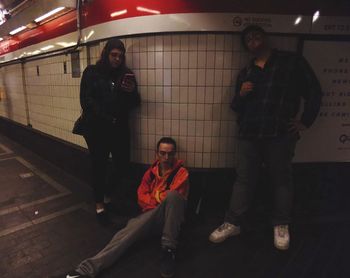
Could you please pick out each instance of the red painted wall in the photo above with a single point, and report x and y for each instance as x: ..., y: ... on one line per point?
x: 99, y: 11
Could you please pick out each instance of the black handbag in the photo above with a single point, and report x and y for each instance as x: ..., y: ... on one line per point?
x: 79, y: 127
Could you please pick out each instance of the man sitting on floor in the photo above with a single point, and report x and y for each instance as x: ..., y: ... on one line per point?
x: 162, y: 196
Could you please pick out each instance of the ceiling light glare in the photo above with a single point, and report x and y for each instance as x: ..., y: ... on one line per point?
x: 17, y: 30
x: 143, y: 9
x: 41, y: 18
x: 297, y: 20
x: 315, y: 16
x: 47, y: 47
x: 89, y: 35
x: 118, y: 13
x: 66, y: 44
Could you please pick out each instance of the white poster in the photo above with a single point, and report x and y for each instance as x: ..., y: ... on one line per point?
x: 329, y: 137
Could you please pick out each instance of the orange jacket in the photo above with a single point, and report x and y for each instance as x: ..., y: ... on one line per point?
x: 152, y: 190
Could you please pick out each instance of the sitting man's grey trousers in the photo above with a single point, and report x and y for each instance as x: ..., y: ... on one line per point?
x: 166, y: 219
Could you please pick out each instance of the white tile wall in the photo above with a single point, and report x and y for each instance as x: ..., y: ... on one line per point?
x: 12, y: 98
x: 186, y: 84
x: 53, y: 97
x: 198, y: 73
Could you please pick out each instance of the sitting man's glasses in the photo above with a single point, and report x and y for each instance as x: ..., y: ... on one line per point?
x: 170, y: 154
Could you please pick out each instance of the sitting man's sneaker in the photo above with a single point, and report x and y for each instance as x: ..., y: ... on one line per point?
x: 167, y: 263
x: 223, y: 232
x: 281, y: 237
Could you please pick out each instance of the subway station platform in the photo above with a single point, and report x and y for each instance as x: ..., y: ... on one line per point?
x: 47, y: 226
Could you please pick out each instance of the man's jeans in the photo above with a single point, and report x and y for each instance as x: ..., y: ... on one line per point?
x: 276, y: 154
x: 165, y: 219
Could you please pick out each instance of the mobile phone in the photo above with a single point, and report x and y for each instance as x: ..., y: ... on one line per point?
x: 128, y: 77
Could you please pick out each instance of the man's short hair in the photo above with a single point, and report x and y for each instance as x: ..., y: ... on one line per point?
x: 166, y: 140
x: 249, y: 29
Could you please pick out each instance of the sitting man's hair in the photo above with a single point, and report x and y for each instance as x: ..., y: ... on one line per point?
x: 249, y: 29
x: 166, y: 140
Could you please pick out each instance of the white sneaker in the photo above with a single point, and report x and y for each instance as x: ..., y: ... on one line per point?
x: 223, y: 232
x: 281, y: 237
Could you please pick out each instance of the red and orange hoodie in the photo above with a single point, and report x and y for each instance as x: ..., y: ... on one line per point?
x: 152, y: 190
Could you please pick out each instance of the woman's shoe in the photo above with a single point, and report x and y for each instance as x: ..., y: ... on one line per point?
x: 103, y: 218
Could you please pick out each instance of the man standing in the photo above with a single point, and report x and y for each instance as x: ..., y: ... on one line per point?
x: 162, y: 196
x: 267, y: 99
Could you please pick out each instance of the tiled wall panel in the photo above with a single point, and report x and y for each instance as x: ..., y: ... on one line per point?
x: 53, y: 96
x: 12, y: 97
x: 186, y: 84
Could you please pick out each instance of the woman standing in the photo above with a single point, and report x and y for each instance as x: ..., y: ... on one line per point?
x: 108, y: 91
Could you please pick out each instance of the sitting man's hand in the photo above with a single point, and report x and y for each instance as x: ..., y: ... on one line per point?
x: 160, y: 195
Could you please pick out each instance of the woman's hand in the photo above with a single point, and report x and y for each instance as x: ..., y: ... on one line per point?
x: 128, y: 83
x: 246, y: 88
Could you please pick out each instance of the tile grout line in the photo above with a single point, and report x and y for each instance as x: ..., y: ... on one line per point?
x: 6, y: 149
x: 45, y: 177
x: 41, y: 219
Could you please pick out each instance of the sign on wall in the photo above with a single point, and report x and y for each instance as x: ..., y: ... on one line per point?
x: 329, y: 138
x: 332, y: 25
x: 75, y: 62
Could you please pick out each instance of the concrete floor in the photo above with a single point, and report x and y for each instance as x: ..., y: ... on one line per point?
x: 47, y: 226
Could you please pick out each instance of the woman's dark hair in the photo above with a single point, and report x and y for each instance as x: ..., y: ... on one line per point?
x: 111, y: 44
x: 166, y: 140
x: 250, y: 29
